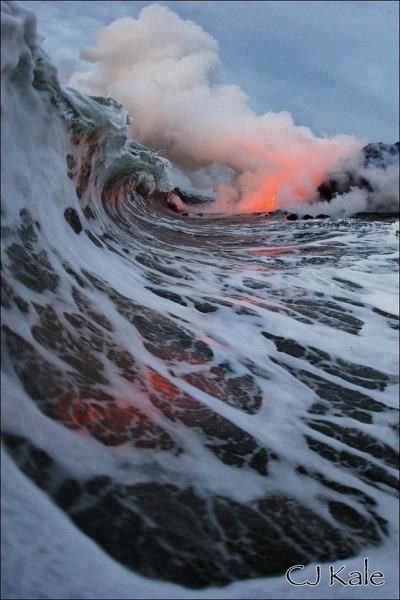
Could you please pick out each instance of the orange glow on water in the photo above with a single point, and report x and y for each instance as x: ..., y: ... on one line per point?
x: 163, y: 386
x: 109, y: 422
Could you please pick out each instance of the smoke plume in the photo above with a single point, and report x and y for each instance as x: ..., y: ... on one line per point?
x: 165, y: 71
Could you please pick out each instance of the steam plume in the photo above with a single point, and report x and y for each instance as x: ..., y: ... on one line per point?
x: 165, y: 71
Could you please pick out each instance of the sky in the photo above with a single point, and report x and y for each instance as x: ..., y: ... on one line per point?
x: 333, y: 65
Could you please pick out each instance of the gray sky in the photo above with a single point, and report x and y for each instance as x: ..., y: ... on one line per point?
x: 333, y: 65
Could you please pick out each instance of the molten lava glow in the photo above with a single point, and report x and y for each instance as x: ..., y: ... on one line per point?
x: 164, y: 71
x: 286, y: 176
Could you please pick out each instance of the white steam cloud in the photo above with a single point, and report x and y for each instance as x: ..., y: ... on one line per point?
x: 384, y: 196
x: 165, y: 71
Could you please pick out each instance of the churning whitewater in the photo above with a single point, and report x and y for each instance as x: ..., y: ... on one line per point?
x: 198, y: 399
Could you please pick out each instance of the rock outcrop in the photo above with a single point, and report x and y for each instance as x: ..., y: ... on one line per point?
x: 374, y: 155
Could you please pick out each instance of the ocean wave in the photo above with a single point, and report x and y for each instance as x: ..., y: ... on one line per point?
x: 207, y: 399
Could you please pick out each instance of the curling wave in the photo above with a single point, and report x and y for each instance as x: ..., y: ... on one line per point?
x: 195, y: 395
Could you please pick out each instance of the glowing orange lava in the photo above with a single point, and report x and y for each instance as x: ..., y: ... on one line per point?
x: 289, y: 176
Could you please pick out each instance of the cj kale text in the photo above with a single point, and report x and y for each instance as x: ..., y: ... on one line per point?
x: 336, y: 576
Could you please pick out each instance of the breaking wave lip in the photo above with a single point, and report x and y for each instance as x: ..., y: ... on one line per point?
x: 196, y: 396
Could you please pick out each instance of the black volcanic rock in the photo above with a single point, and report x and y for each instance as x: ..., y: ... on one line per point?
x: 376, y: 154
x: 333, y: 186
x: 292, y: 217
x: 381, y: 155
x: 328, y: 189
